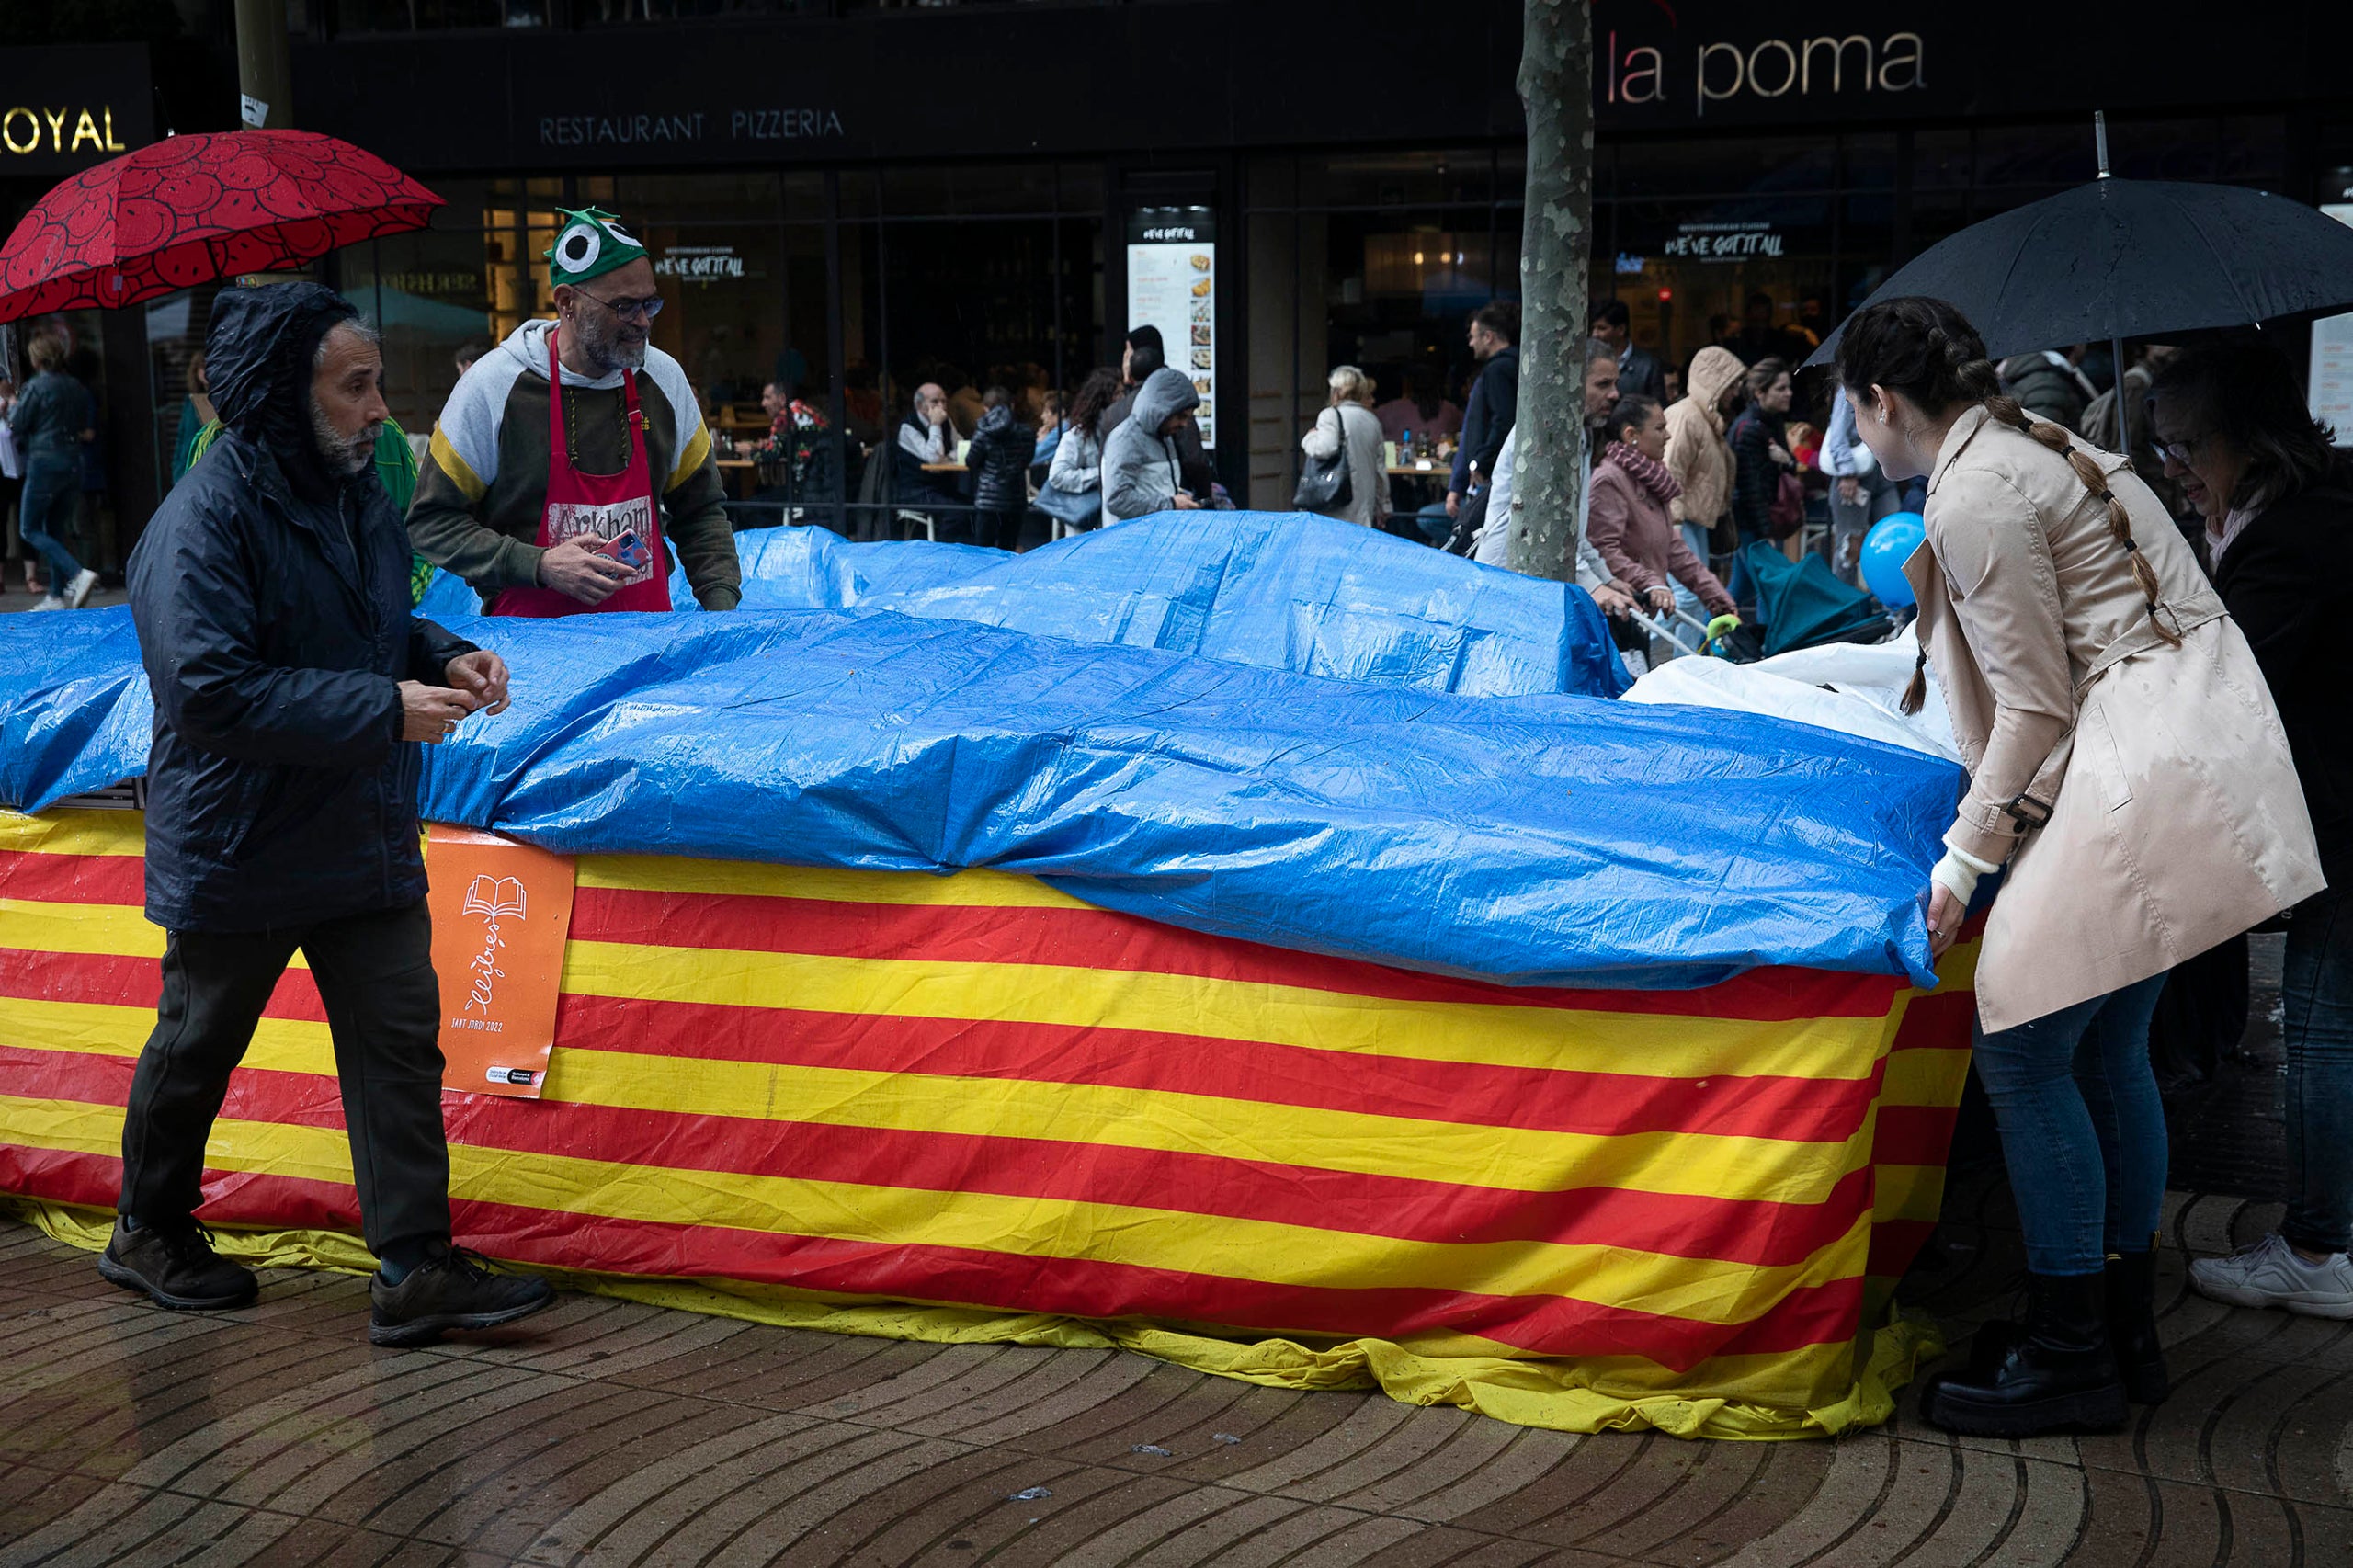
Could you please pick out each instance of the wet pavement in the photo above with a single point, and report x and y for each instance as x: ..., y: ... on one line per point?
x: 607, y: 1432
x: 14, y: 597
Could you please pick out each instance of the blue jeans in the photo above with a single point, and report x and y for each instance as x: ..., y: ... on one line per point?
x: 52, y: 489
x: 1686, y: 600
x: 2083, y: 1131
x: 1743, y: 588
x: 2317, y: 994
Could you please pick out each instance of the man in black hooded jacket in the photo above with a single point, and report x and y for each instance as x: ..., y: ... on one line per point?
x: 292, y: 687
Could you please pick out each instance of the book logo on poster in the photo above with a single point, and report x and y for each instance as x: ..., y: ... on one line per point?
x: 501, y: 915
x: 494, y: 899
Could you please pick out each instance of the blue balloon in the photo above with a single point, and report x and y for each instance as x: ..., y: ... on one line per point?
x: 1885, y: 550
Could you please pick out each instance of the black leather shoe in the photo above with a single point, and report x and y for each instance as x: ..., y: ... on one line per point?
x: 176, y: 1267
x: 453, y: 1290
x: 2132, y: 1306
x: 2058, y: 1375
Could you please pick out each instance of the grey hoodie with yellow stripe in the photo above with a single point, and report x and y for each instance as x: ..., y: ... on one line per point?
x: 484, y: 484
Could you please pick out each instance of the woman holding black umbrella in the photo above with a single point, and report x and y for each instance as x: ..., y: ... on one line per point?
x: 2129, y: 770
x: 2277, y: 501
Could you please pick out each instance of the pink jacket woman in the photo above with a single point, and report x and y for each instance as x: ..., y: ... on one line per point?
x: 1629, y: 518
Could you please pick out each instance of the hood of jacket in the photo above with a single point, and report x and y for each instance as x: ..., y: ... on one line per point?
x: 257, y: 356
x: 1712, y: 369
x: 527, y: 347
x: 1163, y: 392
x: 995, y: 419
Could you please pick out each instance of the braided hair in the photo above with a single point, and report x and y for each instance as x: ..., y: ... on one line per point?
x: 1926, y: 350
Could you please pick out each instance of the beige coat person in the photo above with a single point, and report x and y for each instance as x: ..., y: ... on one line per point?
x: 1698, y: 452
x: 1352, y: 426
x: 2174, y: 821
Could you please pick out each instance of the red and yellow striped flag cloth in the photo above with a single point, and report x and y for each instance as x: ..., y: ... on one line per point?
x: 796, y: 1094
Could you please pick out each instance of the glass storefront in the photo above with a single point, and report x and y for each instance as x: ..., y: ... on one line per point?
x: 848, y: 289
x: 851, y: 288
x: 1375, y: 260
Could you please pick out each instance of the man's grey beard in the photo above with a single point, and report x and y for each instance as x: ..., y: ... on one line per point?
x: 607, y: 341
x: 344, y: 455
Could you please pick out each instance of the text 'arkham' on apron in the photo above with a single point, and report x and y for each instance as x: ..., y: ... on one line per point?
x: 603, y: 506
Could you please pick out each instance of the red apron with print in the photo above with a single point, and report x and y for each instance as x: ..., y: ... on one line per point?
x: 605, y: 505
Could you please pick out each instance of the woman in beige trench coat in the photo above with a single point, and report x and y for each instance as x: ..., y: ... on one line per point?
x: 2128, y: 769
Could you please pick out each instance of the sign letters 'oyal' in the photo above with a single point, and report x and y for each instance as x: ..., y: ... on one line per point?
x: 500, y: 911
x: 66, y: 107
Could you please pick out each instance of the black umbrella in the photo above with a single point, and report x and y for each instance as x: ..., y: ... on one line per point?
x: 2121, y: 259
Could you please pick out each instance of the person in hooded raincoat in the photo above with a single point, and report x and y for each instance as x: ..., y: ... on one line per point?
x: 292, y: 687
x: 1143, y: 463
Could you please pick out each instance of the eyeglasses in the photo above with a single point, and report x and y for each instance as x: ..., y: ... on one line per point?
x: 644, y: 310
x: 2175, y: 451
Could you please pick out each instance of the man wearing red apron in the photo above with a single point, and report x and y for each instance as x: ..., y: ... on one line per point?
x: 571, y: 464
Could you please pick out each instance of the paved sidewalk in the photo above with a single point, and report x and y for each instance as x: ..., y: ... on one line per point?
x: 13, y: 597
x: 613, y: 1433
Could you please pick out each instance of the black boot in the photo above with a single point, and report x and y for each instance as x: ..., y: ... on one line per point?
x: 176, y: 1265
x: 2058, y: 1375
x: 455, y: 1289
x: 2131, y: 1289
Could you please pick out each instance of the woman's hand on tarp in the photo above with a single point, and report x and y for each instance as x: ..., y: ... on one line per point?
x: 1945, y: 915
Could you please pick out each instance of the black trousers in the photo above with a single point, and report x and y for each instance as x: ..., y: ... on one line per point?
x: 1002, y: 527
x: 375, y: 975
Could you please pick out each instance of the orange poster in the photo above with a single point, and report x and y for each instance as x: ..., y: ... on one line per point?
x: 500, y: 913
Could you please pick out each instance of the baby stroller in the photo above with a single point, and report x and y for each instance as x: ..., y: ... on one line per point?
x: 1799, y: 604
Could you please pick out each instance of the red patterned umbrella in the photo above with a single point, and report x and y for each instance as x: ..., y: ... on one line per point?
x: 188, y: 209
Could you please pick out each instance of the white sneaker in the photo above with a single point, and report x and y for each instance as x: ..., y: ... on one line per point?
x: 78, y: 591
x: 50, y: 602
x: 2269, y: 1274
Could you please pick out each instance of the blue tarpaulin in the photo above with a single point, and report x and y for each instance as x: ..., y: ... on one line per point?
x: 1283, y: 591
x: 1538, y: 839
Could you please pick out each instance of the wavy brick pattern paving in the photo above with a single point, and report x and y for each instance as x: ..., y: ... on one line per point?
x: 619, y: 1434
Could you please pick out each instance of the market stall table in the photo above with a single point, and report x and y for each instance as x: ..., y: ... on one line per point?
x: 1118, y: 994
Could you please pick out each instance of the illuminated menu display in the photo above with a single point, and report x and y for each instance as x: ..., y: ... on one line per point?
x: 1171, y: 285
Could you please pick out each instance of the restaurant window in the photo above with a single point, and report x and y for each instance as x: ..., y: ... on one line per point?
x: 433, y: 15
x: 2052, y: 156
x: 431, y: 294
x: 1376, y: 260
x: 1722, y: 166
x: 606, y: 12
x: 968, y: 275
x: 1940, y: 160
x: 1762, y: 243
x: 175, y: 328
x: 984, y: 274
x: 2254, y: 150
x: 1756, y: 274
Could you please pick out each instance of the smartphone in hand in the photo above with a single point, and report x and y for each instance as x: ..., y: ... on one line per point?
x: 630, y: 550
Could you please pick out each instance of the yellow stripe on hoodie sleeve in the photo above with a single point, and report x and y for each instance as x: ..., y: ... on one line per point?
x: 690, y: 455
x: 459, y: 473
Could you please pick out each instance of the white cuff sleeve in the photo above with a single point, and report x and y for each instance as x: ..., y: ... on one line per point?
x: 1958, y: 872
